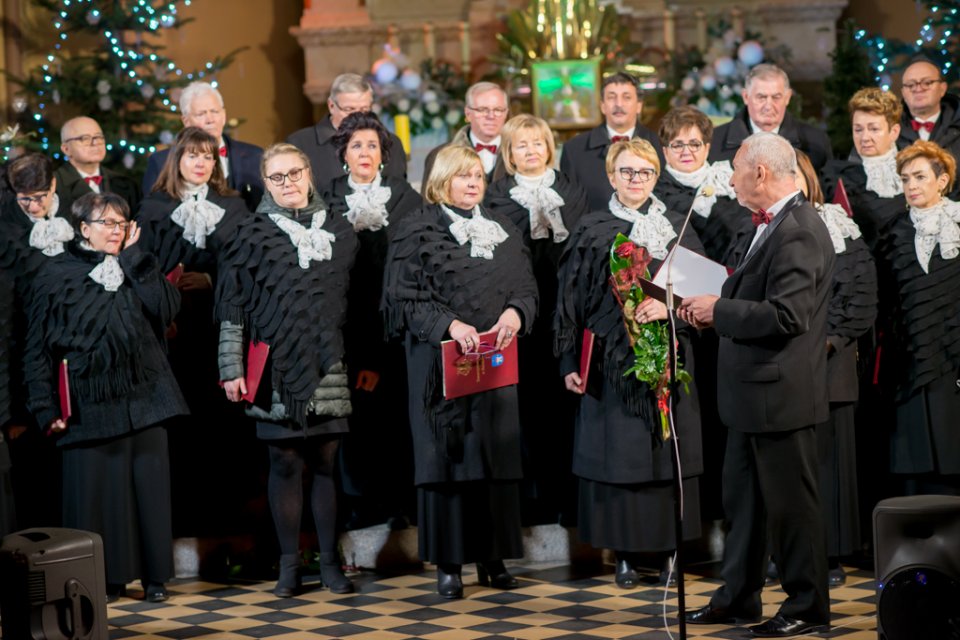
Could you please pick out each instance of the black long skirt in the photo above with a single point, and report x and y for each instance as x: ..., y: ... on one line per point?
x: 8, y: 521
x: 120, y: 488
x: 926, y: 439
x: 636, y: 517
x: 837, y: 455
x: 464, y: 522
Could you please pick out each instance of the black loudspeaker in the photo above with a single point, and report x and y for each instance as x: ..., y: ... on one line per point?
x: 53, y: 585
x: 916, y: 543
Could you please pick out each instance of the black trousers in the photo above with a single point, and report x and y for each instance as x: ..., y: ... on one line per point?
x: 770, y: 484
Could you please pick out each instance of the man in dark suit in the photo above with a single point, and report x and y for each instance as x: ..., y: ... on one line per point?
x: 201, y: 105
x: 584, y: 157
x: 772, y: 390
x: 766, y: 95
x: 348, y: 93
x: 931, y: 113
x: 84, y: 147
x: 486, y: 111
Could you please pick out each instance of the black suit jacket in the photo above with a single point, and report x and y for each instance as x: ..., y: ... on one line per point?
x: 244, y: 160
x: 772, y: 323
x: 584, y: 160
x: 317, y: 143
x: 70, y: 187
x: 811, y: 140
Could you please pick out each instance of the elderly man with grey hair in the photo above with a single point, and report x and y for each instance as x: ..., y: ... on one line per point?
x: 766, y: 96
x: 201, y: 105
x: 348, y: 93
x: 486, y: 112
x: 771, y: 318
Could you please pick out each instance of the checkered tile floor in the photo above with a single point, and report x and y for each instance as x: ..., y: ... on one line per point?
x: 554, y: 602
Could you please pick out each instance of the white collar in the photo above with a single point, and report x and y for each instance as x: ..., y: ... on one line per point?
x: 756, y: 129
x: 495, y: 142
x: 88, y: 175
x: 778, y: 206
x: 629, y: 133
x: 932, y: 118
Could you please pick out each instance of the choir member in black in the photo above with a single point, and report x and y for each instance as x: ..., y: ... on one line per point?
x: 454, y: 271
x: 719, y: 220
x: 32, y: 229
x: 285, y: 284
x: 85, y: 149
x: 922, y: 248
x: 851, y: 313
x: 376, y: 455
x: 546, y: 206
x: 932, y: 113
x: 101, y: 307
x: 625, y: 470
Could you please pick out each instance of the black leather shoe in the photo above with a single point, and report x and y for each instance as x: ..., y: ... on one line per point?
x: 626, y: 577
x: 449, y: 584
x: 115, y: 592
x: 836, y: 577
x: 155, y: 592
x: 773, y: 573
x: 715, y: 615
x: 494, y: 574
x: 780, y: 626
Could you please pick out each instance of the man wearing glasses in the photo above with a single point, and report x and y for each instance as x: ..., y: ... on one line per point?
x: 201, y: 105
x: 931, y: 113
x: 584, y: 157
x: 348, y: 93
x: 84, y: 147
x: 766, y: 96
x: 486, y: 112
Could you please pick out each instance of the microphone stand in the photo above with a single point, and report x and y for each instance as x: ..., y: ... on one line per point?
x: 675, y: 457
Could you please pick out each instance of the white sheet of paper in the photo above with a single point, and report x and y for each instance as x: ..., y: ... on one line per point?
x: 693, y: 274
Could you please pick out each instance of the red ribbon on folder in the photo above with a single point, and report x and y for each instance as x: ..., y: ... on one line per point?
x: 481, y: 370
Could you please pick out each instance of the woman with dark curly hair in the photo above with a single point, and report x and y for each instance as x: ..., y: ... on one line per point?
x: 376, y: 455
x: 100, y: 309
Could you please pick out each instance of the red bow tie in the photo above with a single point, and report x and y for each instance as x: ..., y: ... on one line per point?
x: 492, y: 148
x: 917, y: 125
x: 223, y: 152
x: 618, y: 139
x: 97, y: 180
x: 761, y: 217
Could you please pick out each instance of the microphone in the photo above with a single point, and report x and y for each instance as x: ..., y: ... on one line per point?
x: 706, y: 191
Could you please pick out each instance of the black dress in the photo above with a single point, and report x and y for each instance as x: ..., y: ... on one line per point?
x: 851, y: 313
x: 626, y: 490
x: 466, y: 451
x: 376, y: 456
x: 546, y: 410
x: 116, y: 474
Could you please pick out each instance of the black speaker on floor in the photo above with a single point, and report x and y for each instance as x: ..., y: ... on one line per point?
x: 53, y: 585
x: 916, y: 543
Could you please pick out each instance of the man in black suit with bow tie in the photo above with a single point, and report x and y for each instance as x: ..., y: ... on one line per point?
x: 772, y: 390
x: 584, y: 157
x: 931, y: 113
x: 201, y: 105
x: 84, y: 147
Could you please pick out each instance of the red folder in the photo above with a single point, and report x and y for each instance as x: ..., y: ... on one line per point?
x: 257, y: 353
x: 174, y: 276
x: 480, y: 370
x: 586, y: 352
x: 840, y: 198
x: 66, y: 410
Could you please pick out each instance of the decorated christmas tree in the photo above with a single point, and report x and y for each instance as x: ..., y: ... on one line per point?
x: 106, y: 63
x: 851, y: 72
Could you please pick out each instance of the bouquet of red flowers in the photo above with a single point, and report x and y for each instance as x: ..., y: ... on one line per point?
x: 650, y: 341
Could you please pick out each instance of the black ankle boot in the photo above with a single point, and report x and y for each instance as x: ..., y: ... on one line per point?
x: 449, y: 584
x: 493, y: 574
x: 289, y: 581
x: 626, y: 576
x: 331, y: 573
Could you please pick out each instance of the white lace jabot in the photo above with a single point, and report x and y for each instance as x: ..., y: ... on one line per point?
x: 839, y: 224
x: 483, y: 235
x: 651, y: 230
x: 936, y: 225
x: 367, y: 205
x: 313, y: 243
x: 49, y: 233
x: 537, y: 196
x: 108, y: 274
x: 716, y: 175
x: 882, y: 176
x: 197, y: 215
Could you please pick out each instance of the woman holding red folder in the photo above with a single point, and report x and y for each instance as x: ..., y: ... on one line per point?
x: 102, y: 306
x: 625, y: 469
x: 455, y: 271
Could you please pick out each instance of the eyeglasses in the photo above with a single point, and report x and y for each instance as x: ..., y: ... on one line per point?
x: 26, y: 201
x: 294, y: 175
x: 920, y: 84
x: 486, y: 112
x: 111, y: 225
x: 87, y: 139
x: 644, y: 175
x: 693, y: 145
x: 349, y: 110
